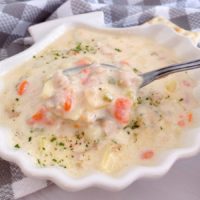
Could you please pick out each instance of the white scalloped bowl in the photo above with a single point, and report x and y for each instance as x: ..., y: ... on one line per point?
x: 190, y: 142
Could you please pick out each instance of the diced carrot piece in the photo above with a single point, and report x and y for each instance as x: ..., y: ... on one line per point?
x: 38, y: 116
x: 147, y: 154
x: 68, y: 104
x: 190, y: 117
x: 83, y: 61
x: 181, y: 123
x: 77, y: 125
x: 122, y: 110
x: 22, y: 87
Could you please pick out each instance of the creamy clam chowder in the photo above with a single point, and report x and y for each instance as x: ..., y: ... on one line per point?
x: 96, y: 119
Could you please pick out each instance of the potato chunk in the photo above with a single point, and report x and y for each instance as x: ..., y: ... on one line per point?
x: 48, y: 90
x: 110, y: 162
x: 171, y: 86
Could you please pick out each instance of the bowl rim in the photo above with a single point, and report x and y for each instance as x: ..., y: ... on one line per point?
x: 57, y: 175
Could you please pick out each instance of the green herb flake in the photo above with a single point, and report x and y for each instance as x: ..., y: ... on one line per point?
x: 57, y: 54
x: 181, y: 99
x: 114, y: 141
x: 108, y: 97
x: 17, y: 146
x: 39, y: 162
x: 112, y: 81
x: 139, y: 100
x: 153, y: 101
x: 29, y: 139
x: 54, y: 160
x: 78, y: 48
x: 135, y: 125
x: 118, y: 50
x: 83, y: 48
x: 61, y: 144
x: 135, y: 70
x: 167, y: 97
x: 53, y: 139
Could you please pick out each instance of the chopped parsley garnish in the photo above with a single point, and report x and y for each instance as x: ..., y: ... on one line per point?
x: 56, y: 54
x: 78, y: 48
x: 167, y: 97
x: 128, y: 132
x: 17, y: 146
x: 112, y: 81
x: 153, y: 101
x: 53, y: 139
x: 181, y: 99
x: 108, y: 97
x: 83, y: 48
x: 133, y: 125
x: 139, y: 100
x: 29, y: 139
x: 160, y: 117
x: 118, y: 50
x: 114, y: 141
x: 135, y: 70
x: 61, y: 144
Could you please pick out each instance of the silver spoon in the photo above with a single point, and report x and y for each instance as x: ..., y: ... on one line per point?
x: 147, y: 77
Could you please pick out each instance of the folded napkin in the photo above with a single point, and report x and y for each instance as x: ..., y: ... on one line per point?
x: 17, y: 16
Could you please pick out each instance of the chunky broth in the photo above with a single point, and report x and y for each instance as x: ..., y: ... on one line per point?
x: 96, y: 119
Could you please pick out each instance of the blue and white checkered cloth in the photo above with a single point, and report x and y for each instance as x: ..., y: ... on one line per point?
x: 17, y: 16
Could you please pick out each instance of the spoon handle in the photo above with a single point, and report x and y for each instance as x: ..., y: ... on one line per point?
x: 160, y: 73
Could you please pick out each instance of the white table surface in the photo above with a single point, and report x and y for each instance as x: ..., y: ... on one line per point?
x: 182, y: 182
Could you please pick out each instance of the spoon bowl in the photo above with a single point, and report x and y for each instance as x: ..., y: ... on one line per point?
x: 147, y: 77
